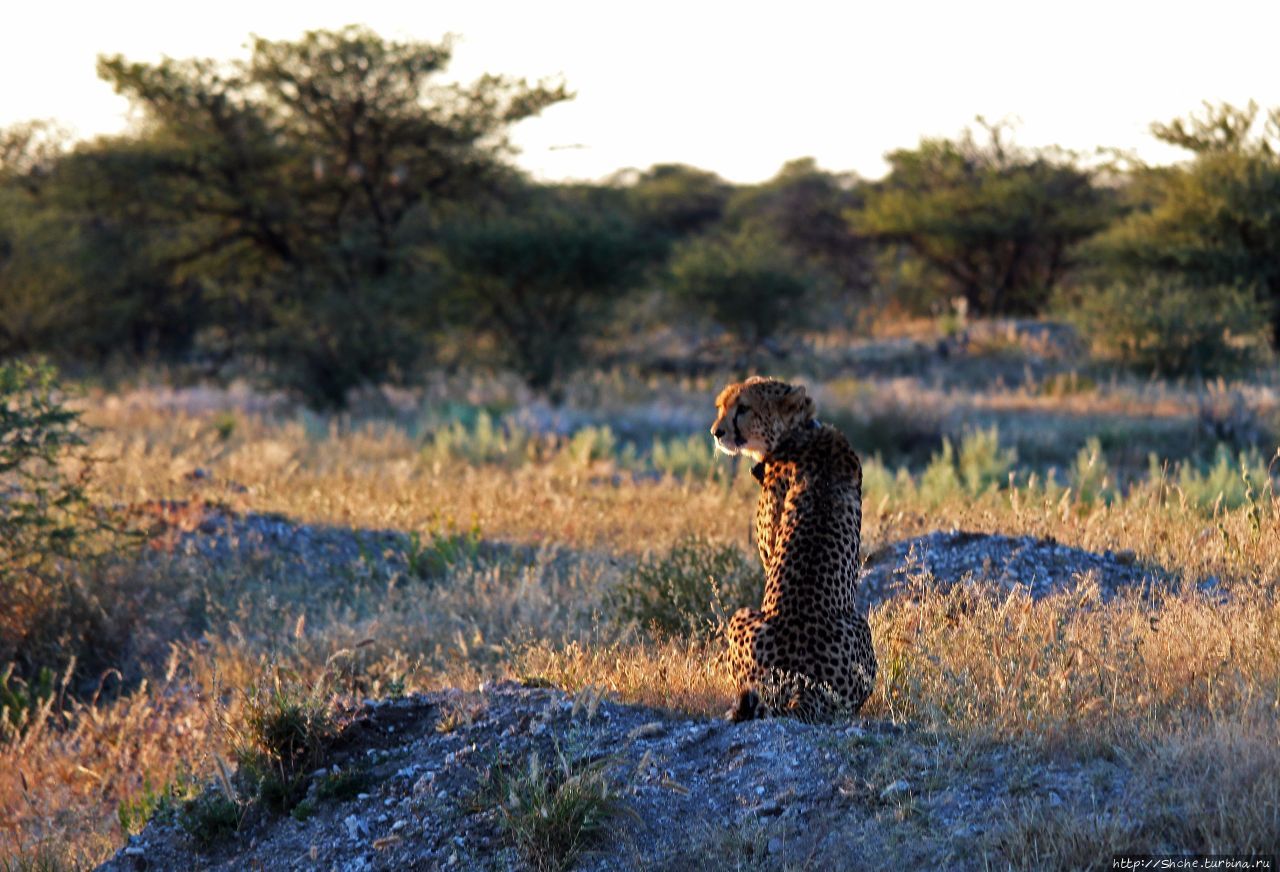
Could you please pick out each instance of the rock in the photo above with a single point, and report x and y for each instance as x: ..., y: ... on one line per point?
x: 895, y: 789
x: 356, y: 828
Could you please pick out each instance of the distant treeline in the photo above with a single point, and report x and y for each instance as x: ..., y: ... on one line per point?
x: 329, y: 214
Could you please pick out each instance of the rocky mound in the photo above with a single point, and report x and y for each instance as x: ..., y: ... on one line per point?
x: 1040, y: 566
x: 681, y: 793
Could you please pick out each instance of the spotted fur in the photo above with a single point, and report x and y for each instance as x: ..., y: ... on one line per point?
x: 807, y: 644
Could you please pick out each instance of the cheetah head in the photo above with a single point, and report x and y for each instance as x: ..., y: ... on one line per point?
x: 752, y: 416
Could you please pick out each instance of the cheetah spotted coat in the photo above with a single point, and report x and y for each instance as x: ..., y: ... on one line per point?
x: 807, y: 646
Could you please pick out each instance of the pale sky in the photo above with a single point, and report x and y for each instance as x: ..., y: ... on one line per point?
x: 734, y: 87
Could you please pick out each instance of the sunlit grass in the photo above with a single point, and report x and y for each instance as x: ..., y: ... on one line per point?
x: 1159, y: 683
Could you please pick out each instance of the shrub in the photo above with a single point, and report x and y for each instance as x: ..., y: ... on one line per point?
x: 592, y: 445
x: 21, y: 701
x: 134, y: 812
x: 898, y: 424
x: 748, y: 283
x: 689, y: 591
x: 210, y: 817
x: 45, y: 510
x: 550, y: 812
x: 1167, y: 326
x: 56, y: 598
x: 978, y: 466
x: 541, y: 279
x: 1090, y: 477
x: 432, y: 555
x: 1227, y: 482
x: 286, y: 729
x: 487, y: 441
x: 691, y: 457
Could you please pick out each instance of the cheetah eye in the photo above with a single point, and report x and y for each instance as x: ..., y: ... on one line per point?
x: 742, y: 409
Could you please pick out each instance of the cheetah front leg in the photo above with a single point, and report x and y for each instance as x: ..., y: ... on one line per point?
x: 749, y: 635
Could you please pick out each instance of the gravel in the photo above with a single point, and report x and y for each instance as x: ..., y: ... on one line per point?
x: 690, y: 792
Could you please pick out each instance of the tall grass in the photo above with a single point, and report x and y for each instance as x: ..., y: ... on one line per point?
x: 1158, y: 683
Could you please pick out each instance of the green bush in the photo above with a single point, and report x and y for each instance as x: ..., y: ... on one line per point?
x: 689, y: 591
x: 487, y: 440
x: 1168, y: 326
x: 896, y: 425
x: 692, y: 457
x: 21, y: 702
x: 45, y: 513
x: 210, y: 817
x: 979, y: 465
x: 430, y: 555
x: 135, y: 811
x: 748, y: 283
x: 1228, y: 481
x: 1090, y: 477
x: 594, y: 444
x: 61, y: 557
x: 287, y: 728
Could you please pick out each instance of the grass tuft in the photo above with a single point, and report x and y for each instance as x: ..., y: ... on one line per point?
x: 552, y: 812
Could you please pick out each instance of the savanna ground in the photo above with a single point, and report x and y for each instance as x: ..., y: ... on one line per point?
x: 469, y: 532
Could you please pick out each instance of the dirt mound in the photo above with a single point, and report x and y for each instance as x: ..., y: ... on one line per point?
x: 1040, y: 566
x: 685, y: 792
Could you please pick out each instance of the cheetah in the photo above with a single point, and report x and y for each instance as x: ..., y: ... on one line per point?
x: 808, y: 634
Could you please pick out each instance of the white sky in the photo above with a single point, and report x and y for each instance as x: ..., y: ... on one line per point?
x: 734, y: 87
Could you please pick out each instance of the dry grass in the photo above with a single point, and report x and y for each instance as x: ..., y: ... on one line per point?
x: 1183, y: 689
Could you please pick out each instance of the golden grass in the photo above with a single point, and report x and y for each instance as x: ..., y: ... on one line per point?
x: 1182, y: 688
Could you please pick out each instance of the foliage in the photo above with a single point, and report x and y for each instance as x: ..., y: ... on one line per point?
x: 692, y: 457
x: 298, y: 178
x: 674, y: 201
x: 805, y: 208
x: 210, y: 817
x: 90, y: 276
x: 998, y: 222
x: 135, y: 811
x: 541, y: 280
x: 689, y: 591
x: 286, y: 729
x: 980, y: 464
x: 1121, y: 677
x: 344, y: 785
x: 1090, y: 477
x: 1227, y: 482
x: 432, y: 555
x: 22, y: 702
x: 1215, y: 221
x: 595, y: 444
x: 551, y: 812
x: 487, y: 440
x: 746, y: 282
x: 44, y: 857
x: 1168, y: 326
x: 895, y: 424
x: 60, y: 555
x: 45, y: 512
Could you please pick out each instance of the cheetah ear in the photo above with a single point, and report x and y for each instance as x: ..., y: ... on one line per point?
x: 797, y: 402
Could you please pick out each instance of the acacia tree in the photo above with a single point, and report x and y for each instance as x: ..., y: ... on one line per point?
x: 674, y: 201
x: 747, y: 282
x: 997, y: 221
x: 538, y: 276
x: 804, y: 207
x: 303, y: 177
x: 1215, y: 221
